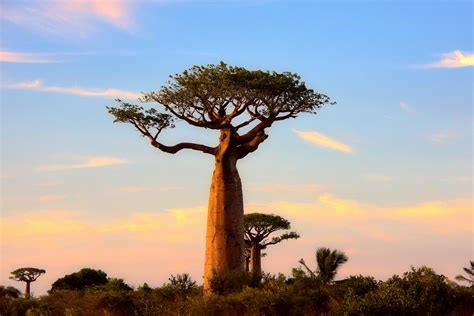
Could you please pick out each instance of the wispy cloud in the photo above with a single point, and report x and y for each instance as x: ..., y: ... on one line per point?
x: 9, y: 56
x: 454, y: 59
x: 288, y: 187
x: 404, y: 106
x: 50, y: 198
x: 94, y: 162
x: 378, y: 177
x: 37, y: 85
x: 322, y: 140
x: 78, y: 17
x: 164, y: 188
x: 441, y: 137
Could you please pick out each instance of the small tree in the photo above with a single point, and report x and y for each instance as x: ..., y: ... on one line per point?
x: 27, y: 275
x: 470, y: 274
x: 328, y: 261
x: 241, y: 105
x: 257, y: 230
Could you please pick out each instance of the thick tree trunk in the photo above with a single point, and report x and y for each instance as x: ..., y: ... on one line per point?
x: 225, y: 221
x: 27, y: 290
x: 247, y: 264
x: 255, y: 259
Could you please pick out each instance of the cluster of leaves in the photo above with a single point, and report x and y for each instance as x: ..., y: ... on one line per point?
x: 419, y: 291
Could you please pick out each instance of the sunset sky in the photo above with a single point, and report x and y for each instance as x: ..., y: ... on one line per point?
x: 384, y: 175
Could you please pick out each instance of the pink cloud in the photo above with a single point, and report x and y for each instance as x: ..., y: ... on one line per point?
x: 288, y: 187
x: 49, y: 198
x: 8, y: 56
x: 37, y: 85
x: 79, y: 17
x: 322, y: 140
x: 454, y: 59
x: 94, y: 162
x: 164, y: 188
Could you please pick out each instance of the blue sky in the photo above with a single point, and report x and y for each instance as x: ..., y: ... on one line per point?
x: 401, y: 73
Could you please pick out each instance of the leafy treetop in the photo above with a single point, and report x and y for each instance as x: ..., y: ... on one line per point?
x: 221, y: 97
x: 26, y: 274
x: 258, y: 227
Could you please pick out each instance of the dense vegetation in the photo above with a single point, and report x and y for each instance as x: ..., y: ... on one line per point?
x: 419, y: 291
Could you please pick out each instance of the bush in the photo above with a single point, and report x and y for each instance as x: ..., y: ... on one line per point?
x: 418, y: 292
x: 232, y: 282
x: 80, y: 280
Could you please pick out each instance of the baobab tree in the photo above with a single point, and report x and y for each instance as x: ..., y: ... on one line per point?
x: 241, y: 105
x: 257, y: 230
x: 27, y: 275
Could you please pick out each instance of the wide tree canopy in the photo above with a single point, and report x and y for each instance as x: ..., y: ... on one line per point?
x: 80, y: 280
x: 220, y: 97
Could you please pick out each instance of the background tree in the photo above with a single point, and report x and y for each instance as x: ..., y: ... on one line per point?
x: 27, y: 275
x: 80, y: 280
x: 238, y: 103
x: 328, y: 261
x: 257, y: 230
x: 9, y: 292
x: 470, y: 274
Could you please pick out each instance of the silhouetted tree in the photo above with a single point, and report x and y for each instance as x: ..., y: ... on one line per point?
x: 27, y: 275
x: 258, y: 229
x: 328, y: 261
x: 80, y: 280
x: 470, y: 274
x: 238, y: 103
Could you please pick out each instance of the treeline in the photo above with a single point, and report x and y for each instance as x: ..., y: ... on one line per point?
x: 419, y: 291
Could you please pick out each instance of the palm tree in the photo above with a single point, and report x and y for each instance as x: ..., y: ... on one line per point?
x: 328, y: 262
x: 470, y: 273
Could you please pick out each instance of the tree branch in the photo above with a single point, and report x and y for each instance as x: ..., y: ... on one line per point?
x: 174, y: 149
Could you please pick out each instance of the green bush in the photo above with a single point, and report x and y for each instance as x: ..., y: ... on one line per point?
x: 232, y: 282
x: 418, y: 292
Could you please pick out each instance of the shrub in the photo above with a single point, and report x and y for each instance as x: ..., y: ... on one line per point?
x: 418, y: 292
x: 232, y: 282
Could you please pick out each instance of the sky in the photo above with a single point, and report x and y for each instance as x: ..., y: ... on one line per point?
x: 384, y: 175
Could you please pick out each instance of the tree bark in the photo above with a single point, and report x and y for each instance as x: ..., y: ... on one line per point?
x: 27, y: 290
x: 255, y: 259
x: 225, y: 219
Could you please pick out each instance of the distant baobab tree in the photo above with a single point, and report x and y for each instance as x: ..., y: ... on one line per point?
x: 27, y: 275
x: 258, y: 231
x: 241, y: 105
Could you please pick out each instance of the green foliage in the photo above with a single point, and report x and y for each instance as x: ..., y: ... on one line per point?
x: 213, y: 96
x: 328, y: 262
x: 80, y: 280
x: 418, y: 292
x: 9, y: 292
x: 16, y: 306
x: 231, y: 282
x: 199, y: 86
x: 182, y: 283
x: 258, y: 227
x: 117, y: 285
x: 470, y: 274
x: 26, y: 274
